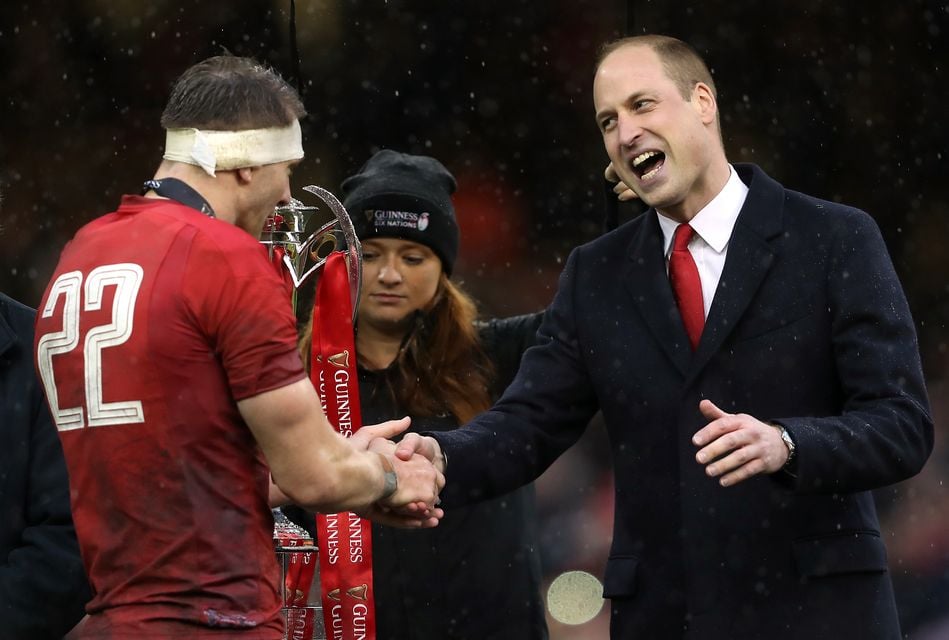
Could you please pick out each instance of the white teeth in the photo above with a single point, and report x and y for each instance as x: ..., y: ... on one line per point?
x: 647, y: 176
x: 642, y: 157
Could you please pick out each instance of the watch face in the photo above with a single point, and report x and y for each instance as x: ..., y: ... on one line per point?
x: 788, y: 441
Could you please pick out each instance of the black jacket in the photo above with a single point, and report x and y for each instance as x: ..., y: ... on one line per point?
x: 477, y: 575
x: 43, y: 585
x: 808, y: 328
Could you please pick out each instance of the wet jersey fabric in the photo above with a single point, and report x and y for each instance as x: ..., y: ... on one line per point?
x: 156, y: 321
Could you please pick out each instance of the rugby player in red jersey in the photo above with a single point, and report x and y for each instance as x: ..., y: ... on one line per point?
x: 167, y: 349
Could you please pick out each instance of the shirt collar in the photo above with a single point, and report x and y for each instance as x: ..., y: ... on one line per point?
x: 715, y: 222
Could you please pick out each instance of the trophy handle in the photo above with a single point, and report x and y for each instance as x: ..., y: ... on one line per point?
x: 353, y: 246
x: 298, y: 253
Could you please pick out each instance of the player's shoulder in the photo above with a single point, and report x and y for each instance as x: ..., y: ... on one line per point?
x: 211, y: 243
x: 217, y: 245
x: 228, y: 243
x: 207, y: 234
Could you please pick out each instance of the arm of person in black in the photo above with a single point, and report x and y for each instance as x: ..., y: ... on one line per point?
x: 541, y: 414
x: 874, y: 428
x: 885, y: 431
x: 43, y: 586
x: 506, y: 340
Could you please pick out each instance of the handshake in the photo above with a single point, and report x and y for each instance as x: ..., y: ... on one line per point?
x: 413, y: 472
x: 732, y: 447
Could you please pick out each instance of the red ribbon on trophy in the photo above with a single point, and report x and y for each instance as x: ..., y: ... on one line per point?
x: 345, y: 539
x: 298, y: 249
x: 277, y: 257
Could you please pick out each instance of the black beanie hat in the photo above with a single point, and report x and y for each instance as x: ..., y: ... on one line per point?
x: 397, y: 195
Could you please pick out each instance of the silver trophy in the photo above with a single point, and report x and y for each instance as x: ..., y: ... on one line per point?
x: 301, y: 237
x: 306, y: 235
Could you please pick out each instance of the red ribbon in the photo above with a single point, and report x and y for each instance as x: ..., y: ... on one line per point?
x: 277, y: 258
x: 345, y: 539
x: 300, y: 568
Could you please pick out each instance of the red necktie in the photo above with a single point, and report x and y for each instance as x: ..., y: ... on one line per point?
x: 686, y: 285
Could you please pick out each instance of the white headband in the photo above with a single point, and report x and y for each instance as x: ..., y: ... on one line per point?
x: 224, y: 150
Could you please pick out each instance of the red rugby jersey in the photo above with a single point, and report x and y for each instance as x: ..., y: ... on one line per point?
x: 156, y: 321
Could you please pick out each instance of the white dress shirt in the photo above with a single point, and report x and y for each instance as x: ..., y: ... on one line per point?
x: 713, y: 227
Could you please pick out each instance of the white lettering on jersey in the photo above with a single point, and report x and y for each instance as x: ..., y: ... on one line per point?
x: 127, y: 279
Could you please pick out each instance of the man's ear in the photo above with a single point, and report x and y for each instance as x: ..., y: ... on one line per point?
x: 245, y: 175
x: 704, y: 101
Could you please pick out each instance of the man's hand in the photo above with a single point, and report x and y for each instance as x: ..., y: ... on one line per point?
x: 736, y: 447
x: 419, y: 483
x: 425, y: 446
x: 622, y: 191
x: 412, y: 505
x: 364, y: 436
x: 400, y: 519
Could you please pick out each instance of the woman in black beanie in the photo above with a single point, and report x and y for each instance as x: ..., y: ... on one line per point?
x: 422, y: 352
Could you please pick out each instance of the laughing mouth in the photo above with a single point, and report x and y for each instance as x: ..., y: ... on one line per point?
x: 647, y: 164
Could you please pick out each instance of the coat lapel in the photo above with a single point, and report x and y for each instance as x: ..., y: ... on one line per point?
x: 646, y: 281
x: 750, y: 256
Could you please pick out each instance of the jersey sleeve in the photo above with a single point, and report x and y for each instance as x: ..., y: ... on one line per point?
x: 244, y: 308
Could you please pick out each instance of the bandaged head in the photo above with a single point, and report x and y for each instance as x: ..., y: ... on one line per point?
x: 226, y: 150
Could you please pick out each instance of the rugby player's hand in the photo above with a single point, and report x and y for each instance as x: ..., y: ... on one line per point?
x: 364, y: 436
x: 412, y: 502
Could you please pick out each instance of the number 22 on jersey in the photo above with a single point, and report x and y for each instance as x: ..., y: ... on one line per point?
x: 78, y: 297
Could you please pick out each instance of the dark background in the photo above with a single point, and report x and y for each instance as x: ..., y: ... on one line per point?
x: 842, y: 100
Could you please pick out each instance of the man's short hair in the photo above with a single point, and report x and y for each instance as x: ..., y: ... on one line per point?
x: 682, y: 63
x: 230, y: 93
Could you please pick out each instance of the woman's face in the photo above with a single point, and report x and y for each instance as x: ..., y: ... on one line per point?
x: 399, y: 277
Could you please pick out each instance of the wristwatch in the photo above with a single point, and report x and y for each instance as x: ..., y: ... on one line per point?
x: 788, y: 442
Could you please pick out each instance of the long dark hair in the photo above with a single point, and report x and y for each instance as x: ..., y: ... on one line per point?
x: 441, y: 367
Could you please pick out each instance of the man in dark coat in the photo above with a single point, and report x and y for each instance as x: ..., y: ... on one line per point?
x: 753, y: 399
x: 42, y: 583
